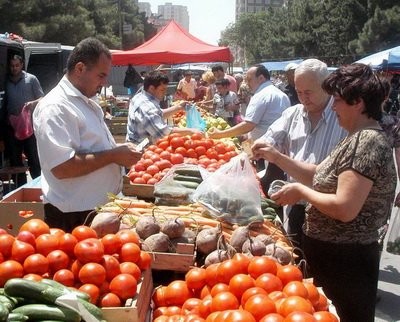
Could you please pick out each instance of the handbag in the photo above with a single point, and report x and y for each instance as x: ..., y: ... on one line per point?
x: 22, y: 123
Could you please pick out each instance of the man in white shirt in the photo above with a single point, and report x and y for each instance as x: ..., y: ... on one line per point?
x: 80, y: 161
x: 306, y: 132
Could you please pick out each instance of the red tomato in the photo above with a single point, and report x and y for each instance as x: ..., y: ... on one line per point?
x: 200, y: 150
x: 226, y: 270
x: 211, y: 153
x: 176, y: 158
x: 83, y: 232
x: 46, y: 243
x: 163, y: 164
x: 57, y: 260
x: 218, y: 288
x: 211, y: 274
x: 299, y: 317
x: 139, y: 181
x: 109, y: 300
x: 191, y: 305
x: 163, y: 145
x: 92, y: 273
x: 243, y: 261
x: 111, y: 243
x: 147, y: 163
x: 152, y: 169
x: 21, y: 250
x: 67, y: 243
x: 165, y: 155
x: 196, y: 278
x: 220, y: 148
x: 239, y: 283
x: 325, y: 316
x: 124, y: 285
x: 146, y: 177
x: 6, y: 242
x: 139, y: 166
x: 295, y: 303
x: 152, y: 181
x: 128, y: 236
x: 65, y: 277
x: 224, y: 301
x: 27, y: 237
x: 238, y: 316
x: 33, y: 277
x: 36, y: 264
x: 269, y: 282
x: 130, y: 268
x: 191, y: 153
x: 177, y: 142
x: 130, y: 252
x: 272, y: 317
x: 10, y: 269
x: 261, y: 264
x: 289, y: 273
x: 36, y: 227
x: 111, y: 265
x: 159, y: 297
x: 89, y: 250
x: 188, y: 145
x: 313, y: 293
x: 177, y: 292
x: 250, y: 292
x: 295, y: 288
x: 259, y: 305
x: 196, y: 136
x: 181, y: 150
x: 144, y: 261
x: 92, y: 290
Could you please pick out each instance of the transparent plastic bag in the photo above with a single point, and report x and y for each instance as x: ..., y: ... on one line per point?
x: 194, y: 119
x: 22, y: 123
x: 231, y: 193
x: 393, y: 241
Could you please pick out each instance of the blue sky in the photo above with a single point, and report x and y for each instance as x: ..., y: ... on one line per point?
x: 207, y: 18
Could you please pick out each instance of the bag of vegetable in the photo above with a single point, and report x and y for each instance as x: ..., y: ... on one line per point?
x: 231, y: 193
x: 393, y: 241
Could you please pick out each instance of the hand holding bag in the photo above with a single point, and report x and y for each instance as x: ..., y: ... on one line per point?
x: 22, y: 123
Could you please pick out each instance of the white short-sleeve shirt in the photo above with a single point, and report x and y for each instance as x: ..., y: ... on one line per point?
x: 67, y: 123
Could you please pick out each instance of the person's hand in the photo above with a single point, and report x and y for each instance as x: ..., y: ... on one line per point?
x: 214, y: 133
x: 31, y: 105
x: 196, y: 131
x: 127, y: 155
x: 397, y: 200
x: 289, y: 194
x: 263, y: 150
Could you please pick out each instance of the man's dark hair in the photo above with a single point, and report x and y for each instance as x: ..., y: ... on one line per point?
x: 262, y: 70
x: 355, y: 82
x: 88, y: 51
x: 223, y: 82
x: 217, y: 68
x: 155, y: 78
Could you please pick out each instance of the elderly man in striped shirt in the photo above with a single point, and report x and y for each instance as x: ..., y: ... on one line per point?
x: 306, y: 132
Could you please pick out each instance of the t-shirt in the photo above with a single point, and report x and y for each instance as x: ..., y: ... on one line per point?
x: 369, y: 153
x: 188, y: 88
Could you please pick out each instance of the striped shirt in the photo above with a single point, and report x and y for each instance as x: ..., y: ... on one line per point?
x: 292, y: 134
x: 145, y: 119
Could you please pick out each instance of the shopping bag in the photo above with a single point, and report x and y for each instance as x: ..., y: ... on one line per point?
x: 393, y: 241
x: 22, y: 123
x: 194, y: 119
x: 231, y: 193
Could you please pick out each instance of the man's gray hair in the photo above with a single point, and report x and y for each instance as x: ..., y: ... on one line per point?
x: 314, y: 66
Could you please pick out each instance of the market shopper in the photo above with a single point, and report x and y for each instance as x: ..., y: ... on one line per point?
x: 187, y: 87
x: 350, y: 195
x: 22, y: 90
x: 290, y: 89
x: 81, y: 163
x: 219, y: 73
x: 225, y: 102
x: 305, y: 132
x: 146, y: 119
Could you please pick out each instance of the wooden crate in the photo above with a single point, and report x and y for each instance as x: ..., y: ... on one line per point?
x: 144, y: 191
x: 135, y: 309
x: 117, y: 125
x: 181, y: 261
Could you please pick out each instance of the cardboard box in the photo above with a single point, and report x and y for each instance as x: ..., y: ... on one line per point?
x: 136, y: 309
x: 17, y: 200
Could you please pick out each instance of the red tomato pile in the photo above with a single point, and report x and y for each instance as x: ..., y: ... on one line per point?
x: 108, y: 268
x: 242, y: 289
x: 176, y: 149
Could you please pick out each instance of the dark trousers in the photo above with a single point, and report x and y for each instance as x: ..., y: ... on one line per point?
x: 348, y: 274
x: 295, y: 225
x: 66, y: 221
x: 15, y: 149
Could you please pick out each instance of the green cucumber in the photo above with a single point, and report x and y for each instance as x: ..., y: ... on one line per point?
x: 48, y: 312
x: 180, y: 177
x: 41, y: 292
x: 8, y: 302
x: 17, y: 317
x: 65, y: 289
x: 3, y: 312
x: 188, y: 172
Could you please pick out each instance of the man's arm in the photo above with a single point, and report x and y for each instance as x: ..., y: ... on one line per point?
x: 167, y: 112
x: 83, y: 164
x: 239, y: 129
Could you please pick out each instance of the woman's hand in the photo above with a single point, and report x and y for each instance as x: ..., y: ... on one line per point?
x: 263, y: 150
x: 289, y: 194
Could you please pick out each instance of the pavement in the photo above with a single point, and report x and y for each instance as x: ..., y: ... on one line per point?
x: 388, y: 306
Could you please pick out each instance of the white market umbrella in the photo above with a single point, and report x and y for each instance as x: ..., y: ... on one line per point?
x: 388, y: 59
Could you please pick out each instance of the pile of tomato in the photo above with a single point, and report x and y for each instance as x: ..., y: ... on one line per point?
x: 173, y: 149
x: 107, y: 268
x: 244, y: 289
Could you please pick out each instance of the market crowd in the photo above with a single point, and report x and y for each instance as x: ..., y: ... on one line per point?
x: 329, y: 135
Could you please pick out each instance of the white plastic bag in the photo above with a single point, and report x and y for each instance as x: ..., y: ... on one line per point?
x: 393, y: 241
x: 232, y: 192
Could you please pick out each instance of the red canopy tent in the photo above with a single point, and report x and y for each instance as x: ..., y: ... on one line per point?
x: 172, y: 45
